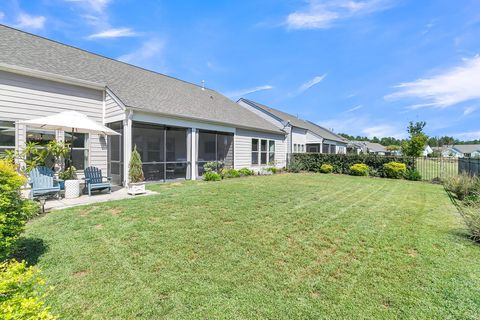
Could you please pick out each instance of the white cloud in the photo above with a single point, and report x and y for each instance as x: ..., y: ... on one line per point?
x: 26, y: 21
x: 469, y: 110
x: 95, y: 5
x: 244, y: 92
x: 383, y: 130
x: 307, y: 85
x: 150, y: 49
x: 363, y: 125
x: 468, y: 135
x: 113, y: 33
x: 453, y: 86
x: 322, y: 14
x: 354, y: 108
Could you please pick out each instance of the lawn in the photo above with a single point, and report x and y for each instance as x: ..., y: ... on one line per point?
x: 291, y: 246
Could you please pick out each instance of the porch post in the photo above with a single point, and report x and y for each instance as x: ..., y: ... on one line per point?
x: 193, y: 154
x: 127, y: 144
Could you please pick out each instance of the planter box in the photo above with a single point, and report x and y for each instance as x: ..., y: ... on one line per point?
x: 72, y: 189
x: 136, y: 188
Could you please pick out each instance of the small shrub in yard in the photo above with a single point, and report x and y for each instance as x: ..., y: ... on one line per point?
x: 412, y: 174
x: 394, y: 170
x: 326, y: 168
x: 295, y: 166
x: 211, y: 176
x: 471, y: 215
x: 273, y: 170
x: 462, y: 185
x: 19, y: 297
x: 230, y: 173
x: 359, y: 169
x: 246, y: 172
x: 214, y: 166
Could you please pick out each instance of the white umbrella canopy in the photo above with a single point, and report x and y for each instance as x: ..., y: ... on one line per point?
x: 70, y: 121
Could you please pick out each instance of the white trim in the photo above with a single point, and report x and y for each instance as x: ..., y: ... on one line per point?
x: 127, y: 144
x: 104, y: 95
x: 117, y: 99
x: 50, y: 76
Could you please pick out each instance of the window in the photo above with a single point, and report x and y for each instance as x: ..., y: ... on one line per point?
x: 214, y: 146
x: 333, y: 149
x: 263, y: 151
x: 255, y: 151
x: 271, y: 151
x: 295, y: 148
x: 7, y: 136
x: 79, y: 149
x: 42, y: 138
x: 302, y: 148
x: 325, y: 148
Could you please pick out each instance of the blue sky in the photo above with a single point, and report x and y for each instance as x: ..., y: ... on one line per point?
x: 362, y: 67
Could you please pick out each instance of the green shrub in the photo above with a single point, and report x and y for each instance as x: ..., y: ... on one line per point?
x: 462, y: 185
x: 342, y: 162
x: 135, y: 167
x: 213, y: 166
x: 326, y: 168
x: 273, y: 170
x: 211, y: 176
x: 246, y: 172
x: 412, y: 174
x: 68, y: 174
x: 471, y: 215
x: 230, y: 173
x: 359, y: 169
x: 19, y: 298
x: 14, y: 211
x: 394, y: 170
x: 294, y: 166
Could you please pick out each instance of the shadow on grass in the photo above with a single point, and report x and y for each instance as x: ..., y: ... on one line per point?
x: 30, y: 249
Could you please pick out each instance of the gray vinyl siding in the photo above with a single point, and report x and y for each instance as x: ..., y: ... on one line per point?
x: 113, y: 110
x: 23, y: 98
x: 243, y: 147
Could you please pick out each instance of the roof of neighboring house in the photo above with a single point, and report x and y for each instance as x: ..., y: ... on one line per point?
x: 373, y: 146
x: 296, y: 122
x: 136, y: 87
x: 466, y: 148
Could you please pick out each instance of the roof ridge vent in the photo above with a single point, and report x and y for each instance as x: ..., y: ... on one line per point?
x: 203, y: 85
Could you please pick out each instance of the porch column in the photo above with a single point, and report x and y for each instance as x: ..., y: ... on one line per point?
x: 193, y: 153
x: 127, y: 145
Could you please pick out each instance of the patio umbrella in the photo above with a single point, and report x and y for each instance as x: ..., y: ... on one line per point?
x: 70, y: 121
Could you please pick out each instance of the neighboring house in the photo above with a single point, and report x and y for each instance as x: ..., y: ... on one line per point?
x: 427, y: 151
x: 372, y: 147
x: 461, y: 151
x: 302, y: 135
x: 176, y: 126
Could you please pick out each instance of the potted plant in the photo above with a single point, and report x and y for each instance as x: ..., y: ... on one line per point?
x: 136, y: 183
x: 71, y: 182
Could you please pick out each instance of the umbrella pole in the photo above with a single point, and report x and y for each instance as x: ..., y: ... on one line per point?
x: 70, y: 161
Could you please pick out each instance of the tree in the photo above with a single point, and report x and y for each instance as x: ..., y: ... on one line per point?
x: 414, y: 146
x: 393, y: 147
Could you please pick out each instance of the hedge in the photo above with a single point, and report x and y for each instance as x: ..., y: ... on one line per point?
x: 342, y: 162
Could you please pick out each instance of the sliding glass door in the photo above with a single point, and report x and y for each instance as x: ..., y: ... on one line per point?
x: 163, y: 151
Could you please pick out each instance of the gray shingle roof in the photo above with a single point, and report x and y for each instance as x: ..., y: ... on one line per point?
x: 466, y: 148
x: 373, y: 146
x: 300, y: 123
x: 135, y: 87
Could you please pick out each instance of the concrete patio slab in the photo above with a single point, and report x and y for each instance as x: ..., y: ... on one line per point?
x: 118, y: 193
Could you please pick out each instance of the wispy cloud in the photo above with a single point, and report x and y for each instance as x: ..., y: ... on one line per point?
x: 453, y: 86
x: 149, y: 49
x: 354, y: 108
x: 468, y: 135
x: 113, y: 33
x: 363, y: 125
x: 307, y: 85
x: 94, y: 5
x: 244, y: 92
x: 323, y: 14
x: 469, y: 110
x: 26, y: 21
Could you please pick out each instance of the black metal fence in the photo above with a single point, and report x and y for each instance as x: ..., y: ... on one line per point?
x: 442, y: 168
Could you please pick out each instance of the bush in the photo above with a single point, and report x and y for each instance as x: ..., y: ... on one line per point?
x: 412, y: 174
x: 246, y: 172
x: 19, y: 298
x: 213, y: 166
x: 230, y: 173
x: 211, y: 176
x: 14, y: 211
x: 471, y: 215
x: 359, y: 169
x: 294, y: 166
x: 342, y: 162
x: 394, y: 170
x: 273, y: 170
x: 326, y: 168
x: 135, y: 167
x: 68, y: 174
x: 462, y: 185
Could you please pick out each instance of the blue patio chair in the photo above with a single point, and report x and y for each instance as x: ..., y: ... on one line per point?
x: 44, y: 186
x: 95, y: 181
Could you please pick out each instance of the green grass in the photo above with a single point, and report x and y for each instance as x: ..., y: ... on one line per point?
x: 437, y: 168
x: 291, y: 246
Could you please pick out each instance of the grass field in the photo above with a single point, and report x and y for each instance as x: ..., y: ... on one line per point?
x: 303, y: 246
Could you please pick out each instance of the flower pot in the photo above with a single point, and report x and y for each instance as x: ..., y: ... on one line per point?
x: 72, y: 189
x: 136, y: 188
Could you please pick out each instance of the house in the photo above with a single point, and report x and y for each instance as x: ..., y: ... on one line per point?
x: 302, y: 135
x: 461, y: 151
x: 176, y: 126
x: 427, y: 151
x: 372, y: 147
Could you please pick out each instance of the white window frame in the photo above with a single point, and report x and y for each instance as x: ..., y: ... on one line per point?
x: 259, y: 152
x: 85, y: 148
x: 14, y: 133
